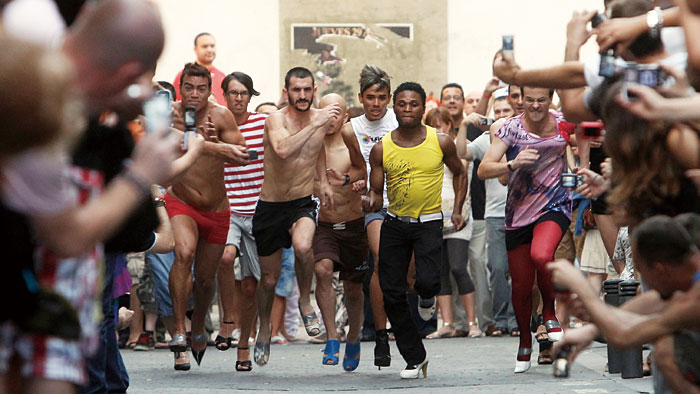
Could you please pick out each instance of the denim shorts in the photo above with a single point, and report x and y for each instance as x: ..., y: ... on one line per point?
x: 285, y: 283
x: 379, y: 215
x: 158, y: 266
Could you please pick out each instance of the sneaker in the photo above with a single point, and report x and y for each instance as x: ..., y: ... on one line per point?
x: 145, y: 342
x: 426, y: 308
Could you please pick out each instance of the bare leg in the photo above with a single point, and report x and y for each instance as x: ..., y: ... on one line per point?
x: 180, y: 280
x: 151, y: 318
x: 354, y: 302
x: 237, y: 298
x: 302, y: 232
x: 208, y: 258
x: 270, y: 267
x: 608, y: 231
x: 226, y: 286
x: 469, y: 303
x: 135, y: 327
x: 248, y: 311
x: 596, y: 280
x: 325, y: 296
x: 277, y: 315
x: 376, y: 297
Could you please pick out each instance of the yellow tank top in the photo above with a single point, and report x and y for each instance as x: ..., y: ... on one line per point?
x: 413, y: 175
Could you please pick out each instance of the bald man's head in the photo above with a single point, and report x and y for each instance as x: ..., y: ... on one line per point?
x: 113, y: 42
x: 337, y: 123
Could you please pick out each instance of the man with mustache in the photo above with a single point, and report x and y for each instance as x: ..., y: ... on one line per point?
x: 286, y: 213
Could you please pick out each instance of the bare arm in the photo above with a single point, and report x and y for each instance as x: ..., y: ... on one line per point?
x: 283, y: 142
x: 195, y: 146
x: 564, y: 76
x: 483, y: 106
x: 375, y: 196
x: 165, y: 241
x: 574, y: 107
x: 325, y: 190
x: 358, y: 167
x: 491, y: 166
x: 77, y: 229
x: 459, y: 178
x: 684, y: 145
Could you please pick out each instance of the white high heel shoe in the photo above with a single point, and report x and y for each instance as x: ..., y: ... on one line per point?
x: 414, y: 371
x: 522, y: 366
x: 554, y: 336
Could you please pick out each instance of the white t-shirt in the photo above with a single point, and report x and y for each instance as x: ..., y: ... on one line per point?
x: 496, y: 193
x: 369, y: 133
x: 448, y: 201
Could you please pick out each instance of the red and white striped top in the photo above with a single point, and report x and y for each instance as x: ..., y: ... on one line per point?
x: 243, y: 183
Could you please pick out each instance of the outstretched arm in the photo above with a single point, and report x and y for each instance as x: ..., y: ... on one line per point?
x: 564, y: 76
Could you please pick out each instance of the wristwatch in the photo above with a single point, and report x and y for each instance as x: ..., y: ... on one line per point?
x: 347, y: 180
x: 655, y: 21
x: 510, y: 165
x: 159, y: 202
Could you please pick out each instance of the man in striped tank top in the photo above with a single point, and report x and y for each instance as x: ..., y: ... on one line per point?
x: 412, y: 156
x: 243, y: 185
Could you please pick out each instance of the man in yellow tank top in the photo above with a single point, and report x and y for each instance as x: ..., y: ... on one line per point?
x: 412, y: 158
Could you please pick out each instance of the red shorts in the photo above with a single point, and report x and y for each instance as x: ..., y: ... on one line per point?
x: 212, y: 226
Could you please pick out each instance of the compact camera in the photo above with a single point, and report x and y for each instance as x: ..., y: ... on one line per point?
x: 645, y: 74
x: 570, y: 180
x: 608, y: 66
x: 487, y: 121
x: 507, y: 43
x: 592, y: 130
x: 598, y: 19
x: 252, y: 154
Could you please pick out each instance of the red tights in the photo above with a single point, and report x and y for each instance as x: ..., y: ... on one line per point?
x: 523, y: 262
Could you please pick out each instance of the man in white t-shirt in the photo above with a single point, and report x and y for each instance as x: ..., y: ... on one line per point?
x: 503, y: 314
x: 370, y: 128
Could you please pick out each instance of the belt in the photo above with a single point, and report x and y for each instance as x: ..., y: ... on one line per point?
x: 420, y: 219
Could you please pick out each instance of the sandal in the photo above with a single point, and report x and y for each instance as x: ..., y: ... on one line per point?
x: 245, y: 365
x: 130, y: 345
x: 545, y: 356
x: 351, y: 359
x: 311, y: 324
x: 446, y: 331
x: 331, y: 352
x: 498, y: 332
x: 474, y: 331
x: 222, y: 343
x: 541, y: 334
x: 514, y: 332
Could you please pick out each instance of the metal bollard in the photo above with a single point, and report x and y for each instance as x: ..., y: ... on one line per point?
x: 611, y: 287
x: 630, y: 360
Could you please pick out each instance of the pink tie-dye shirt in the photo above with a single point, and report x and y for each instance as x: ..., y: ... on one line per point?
x: 534, y: 190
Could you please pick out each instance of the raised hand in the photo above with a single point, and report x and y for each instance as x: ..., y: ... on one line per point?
x: 593, y: 184
x: 326, y: 114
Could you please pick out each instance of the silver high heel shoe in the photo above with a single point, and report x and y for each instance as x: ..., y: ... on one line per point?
x: 415, y: 371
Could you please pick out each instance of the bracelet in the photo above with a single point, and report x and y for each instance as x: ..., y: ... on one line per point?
x: 347, y: 180
x: 143, y: 186
x: 510, y: 165
x: 159, y: 202
x: 487, y: 94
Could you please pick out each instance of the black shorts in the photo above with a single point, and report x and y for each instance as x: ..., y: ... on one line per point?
x: 346, y: 245
x: 523, y: 235
x: 272, y: 221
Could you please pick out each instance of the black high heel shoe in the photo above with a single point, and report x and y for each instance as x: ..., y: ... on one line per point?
x: 382, y: 357
x: 198, y: 355
x: 244, y: 366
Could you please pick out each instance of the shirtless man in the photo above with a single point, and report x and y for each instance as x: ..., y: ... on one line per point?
x: 286, y: 213
x: 340, y: 242
x: 198, y: 207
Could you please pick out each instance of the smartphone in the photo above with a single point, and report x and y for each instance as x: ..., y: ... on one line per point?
x: 190, y: 118
x: 607, y: 66
x: 508, y: 43
x: 592, y: 130
x: 156, y: 110
x: 252, y: 154
x: 166, y: 93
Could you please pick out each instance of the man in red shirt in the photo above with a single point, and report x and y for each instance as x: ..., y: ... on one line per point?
x: 205, y: 50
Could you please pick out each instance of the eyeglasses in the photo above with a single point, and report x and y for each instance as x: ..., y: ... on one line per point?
x: 234, y: 93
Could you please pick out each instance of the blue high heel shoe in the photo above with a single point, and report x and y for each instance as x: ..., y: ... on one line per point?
x: 331, y: 352
x: 352, y: 356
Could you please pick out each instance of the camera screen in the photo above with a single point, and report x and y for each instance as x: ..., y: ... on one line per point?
x: 190, y: 118
x: 649, y: 78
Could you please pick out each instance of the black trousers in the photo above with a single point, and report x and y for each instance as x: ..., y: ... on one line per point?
x: 398, y: 241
